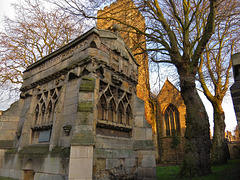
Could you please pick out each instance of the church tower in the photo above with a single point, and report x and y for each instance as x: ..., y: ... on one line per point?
x: 126, y: 14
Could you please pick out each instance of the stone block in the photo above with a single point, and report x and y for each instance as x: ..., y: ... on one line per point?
x: 87, y: 84
x: 65, y: 141
x: 6, y: 144
x: 86, y: 106
x: 140, y: 112
x: 143, y: 145
x: 130, y: 162
x: 112, y: 163
x: 148, y: 161
x: 5, y: 172
x: 71, y: 109
x: 16, y: 174
x: 83, y: 138
x: 149, y: 134
x: 72, y: 89
x: 71, y: 101
x: 150, y: 172
x: 86, y: 96
x: 80, y: 168
x: 81, y: 151
x: 141, y: 172
x: 84, y: 118
x: 139, y: 133
x: 101, y: 164
x: 138, y: 121
x: 52, y: 165
x: 42, y: 176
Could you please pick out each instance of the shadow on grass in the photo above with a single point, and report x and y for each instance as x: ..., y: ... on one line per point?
x: 230, y: 171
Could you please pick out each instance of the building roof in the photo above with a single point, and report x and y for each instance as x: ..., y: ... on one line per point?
x: 101, y: 33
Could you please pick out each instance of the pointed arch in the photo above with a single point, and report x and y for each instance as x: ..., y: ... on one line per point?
x: 49, y: 111
x: 112, y: 110
x: 128, y: 115
x: 43, y: 110
x: 120, y: 113
x: 102, y: 108
x: 172, y: 122
x: 36, y: 114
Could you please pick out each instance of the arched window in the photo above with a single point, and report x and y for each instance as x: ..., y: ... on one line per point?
x: 102, y: 105
x: 43, y: 112
x: 49, y: 112
x: 128, y: 115
x: 120, y: 113
x: 111, y: 111
x: 36, y: 114
x: 172, y: 122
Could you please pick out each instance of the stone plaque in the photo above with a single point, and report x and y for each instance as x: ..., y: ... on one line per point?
x: 44, y: 136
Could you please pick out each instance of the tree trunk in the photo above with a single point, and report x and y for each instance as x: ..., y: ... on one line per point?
x: 197, y: 146
x: 219, y: 151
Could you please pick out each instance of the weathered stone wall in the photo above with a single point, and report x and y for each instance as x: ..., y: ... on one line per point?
x: 234, y: 149
x: 8, y: 124
x: 45, y: 164
x: 129, y: 158
x: 169, y: 152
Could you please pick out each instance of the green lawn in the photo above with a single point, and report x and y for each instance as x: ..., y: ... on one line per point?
x: 230, y: 171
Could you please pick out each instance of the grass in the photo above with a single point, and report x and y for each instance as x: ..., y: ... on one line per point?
x: 230, y: 171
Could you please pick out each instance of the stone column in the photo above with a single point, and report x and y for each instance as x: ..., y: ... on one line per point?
x: 143, y: 143
x: 82, y: 142
x: 81, y: 163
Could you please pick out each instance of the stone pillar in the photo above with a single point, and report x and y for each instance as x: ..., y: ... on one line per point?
x: 82, y: 142
x: 81, y: 163
x: 143, y: 143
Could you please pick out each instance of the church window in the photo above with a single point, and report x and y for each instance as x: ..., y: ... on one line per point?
x: 114, y: 111
x: 102, y: 108
x: 172, y: 123
x: 46, y: 103
x: 111, y: 111
x: 128, y: 116
x: 120, y: 113
x: 36, y: 114
x: 167, y: 124
x: 42, y: 113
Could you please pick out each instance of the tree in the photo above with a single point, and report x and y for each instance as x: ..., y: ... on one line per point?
x: 173, y: 30
x: 34, y: 33
x: 215, y: 66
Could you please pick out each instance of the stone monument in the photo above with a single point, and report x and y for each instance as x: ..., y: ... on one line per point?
x: 79, y: 116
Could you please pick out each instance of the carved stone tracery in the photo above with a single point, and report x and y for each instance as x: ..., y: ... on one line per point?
x: 45, y: 108
x: 114, y: 105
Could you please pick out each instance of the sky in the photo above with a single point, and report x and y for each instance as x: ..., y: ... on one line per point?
x: 230, y: 118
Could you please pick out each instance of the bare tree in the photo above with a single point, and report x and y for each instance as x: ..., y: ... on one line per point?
x: 214, y: 71
x: 174, y: 32
x: 34, y: 33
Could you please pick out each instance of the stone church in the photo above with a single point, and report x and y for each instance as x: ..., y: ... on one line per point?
x: 86, y: 111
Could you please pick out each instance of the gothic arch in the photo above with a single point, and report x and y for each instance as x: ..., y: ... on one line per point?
x: 102, y: 107
x: 171, y: 120
x: 112, y: 110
